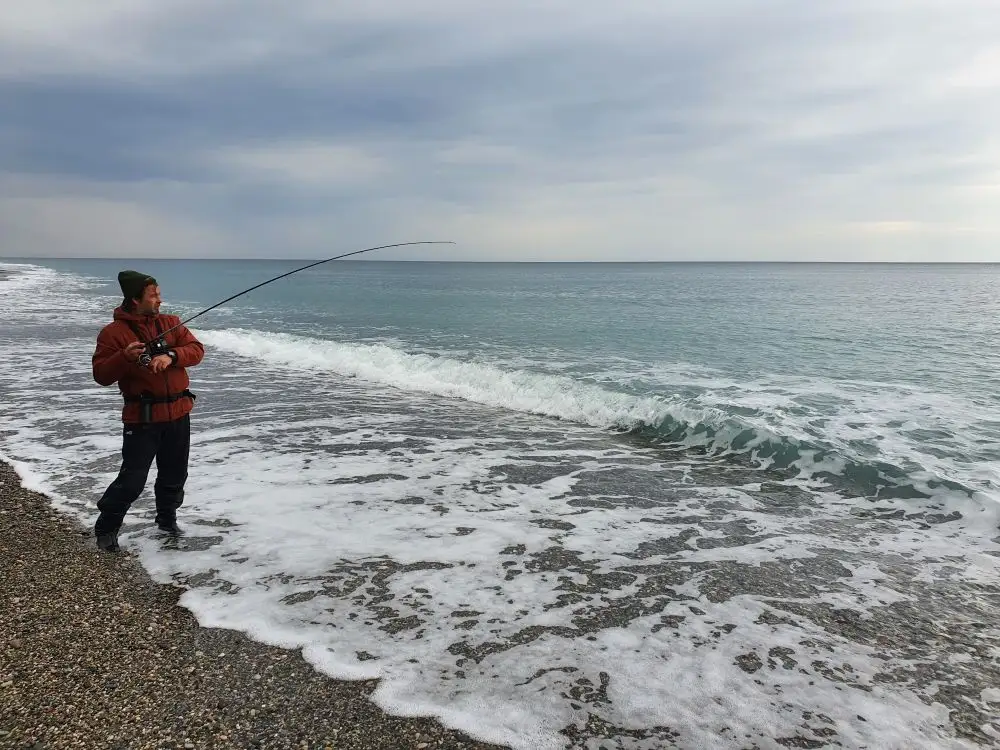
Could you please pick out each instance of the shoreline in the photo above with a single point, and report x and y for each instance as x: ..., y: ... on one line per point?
x: 94, y: 653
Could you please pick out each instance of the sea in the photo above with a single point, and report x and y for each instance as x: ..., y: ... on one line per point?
x: 596, y: 505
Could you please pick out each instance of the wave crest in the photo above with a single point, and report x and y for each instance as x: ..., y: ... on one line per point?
x: 665, y: 420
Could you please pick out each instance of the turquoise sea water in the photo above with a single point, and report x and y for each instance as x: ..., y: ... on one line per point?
x: 729, y: 478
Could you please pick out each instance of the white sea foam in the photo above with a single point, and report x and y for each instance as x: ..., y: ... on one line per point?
x: 863, y: 418
x: 478, y: 382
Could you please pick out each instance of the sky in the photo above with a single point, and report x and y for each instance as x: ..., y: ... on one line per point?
x: 527, y: 130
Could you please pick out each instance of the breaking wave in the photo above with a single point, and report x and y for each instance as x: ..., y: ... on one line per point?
x: 665, y: 420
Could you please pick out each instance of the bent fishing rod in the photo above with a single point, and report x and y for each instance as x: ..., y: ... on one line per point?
x: 159, y: 346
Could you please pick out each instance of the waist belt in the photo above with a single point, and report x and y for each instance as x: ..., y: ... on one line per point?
x: 149, y: 398
x: 146, y: 401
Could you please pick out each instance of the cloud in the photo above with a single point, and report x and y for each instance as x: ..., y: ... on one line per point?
x: 88, y: 226
x: 301, y: 163
x: 526, y: 130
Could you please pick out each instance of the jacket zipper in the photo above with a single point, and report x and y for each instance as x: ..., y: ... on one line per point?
x: 166, y: 386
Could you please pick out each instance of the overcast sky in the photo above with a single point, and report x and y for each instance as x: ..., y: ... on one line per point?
x: 523, y: 129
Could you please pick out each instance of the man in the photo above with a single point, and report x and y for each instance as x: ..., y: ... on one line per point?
x: 157, y: 404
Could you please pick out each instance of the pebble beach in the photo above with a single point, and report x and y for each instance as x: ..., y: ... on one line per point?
x: 94, y: 654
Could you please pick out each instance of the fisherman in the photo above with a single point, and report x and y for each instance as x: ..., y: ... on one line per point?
x: 150, y: 370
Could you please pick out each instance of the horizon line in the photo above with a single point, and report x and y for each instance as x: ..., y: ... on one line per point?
x: 530, y: 262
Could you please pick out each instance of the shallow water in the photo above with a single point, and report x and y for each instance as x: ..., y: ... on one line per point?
x: 628, y: 506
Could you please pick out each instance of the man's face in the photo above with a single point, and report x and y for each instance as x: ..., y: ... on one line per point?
x: 149, y: 304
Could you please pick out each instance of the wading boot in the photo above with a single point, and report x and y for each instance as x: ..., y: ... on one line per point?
x: 169, y: 527
x: 108, y: 542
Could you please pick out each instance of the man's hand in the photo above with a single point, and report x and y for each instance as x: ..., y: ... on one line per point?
x: 133, y: 350
x: 160, y: 363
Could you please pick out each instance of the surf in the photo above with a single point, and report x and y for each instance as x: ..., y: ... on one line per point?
x: 657, y: 420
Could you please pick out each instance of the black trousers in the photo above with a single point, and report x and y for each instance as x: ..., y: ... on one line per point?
x: 169, y: 443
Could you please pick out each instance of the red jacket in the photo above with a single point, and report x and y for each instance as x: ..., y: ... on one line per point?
x: 133, y: 379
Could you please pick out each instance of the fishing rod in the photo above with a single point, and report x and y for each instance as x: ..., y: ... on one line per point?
x: 159, y: 345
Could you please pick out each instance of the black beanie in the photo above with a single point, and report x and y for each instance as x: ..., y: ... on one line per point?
x: 133, y: 282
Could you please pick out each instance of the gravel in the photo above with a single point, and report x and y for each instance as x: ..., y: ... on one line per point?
x: 94, y: 654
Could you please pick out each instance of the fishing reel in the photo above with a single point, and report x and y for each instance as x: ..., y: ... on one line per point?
x: 154, y: 348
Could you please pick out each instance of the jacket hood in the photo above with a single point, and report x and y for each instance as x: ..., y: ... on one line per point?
x: 122, y: 314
